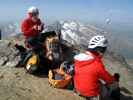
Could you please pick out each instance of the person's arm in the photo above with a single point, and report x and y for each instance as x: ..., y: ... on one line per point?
x: 104, y: 75
x: 41, y: 26
x: 28, y: 31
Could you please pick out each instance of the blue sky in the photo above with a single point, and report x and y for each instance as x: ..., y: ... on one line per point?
x: 85, y: 10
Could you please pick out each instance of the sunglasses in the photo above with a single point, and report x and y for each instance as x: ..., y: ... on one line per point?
x: 35, y: 14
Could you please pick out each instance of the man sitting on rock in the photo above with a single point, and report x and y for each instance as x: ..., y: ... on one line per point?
x: 89, y: 69
x: 31, y: 27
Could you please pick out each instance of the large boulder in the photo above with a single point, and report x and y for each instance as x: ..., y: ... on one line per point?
x: 8, y: 54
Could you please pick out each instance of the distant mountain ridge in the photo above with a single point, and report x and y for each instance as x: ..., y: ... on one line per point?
x: 117, y: 43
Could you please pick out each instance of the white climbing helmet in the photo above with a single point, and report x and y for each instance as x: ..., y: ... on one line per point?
x: 33, y: 10
x: 98, y: 41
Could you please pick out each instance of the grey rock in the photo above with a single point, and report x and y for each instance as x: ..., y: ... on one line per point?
x: 8, y: 53
x: 3, y: 60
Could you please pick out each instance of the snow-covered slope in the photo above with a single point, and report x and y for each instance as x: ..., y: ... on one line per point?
x: 77, y: 33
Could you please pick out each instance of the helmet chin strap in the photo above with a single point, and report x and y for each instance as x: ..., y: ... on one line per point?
x: 101, y: 50
x: 100, y: 53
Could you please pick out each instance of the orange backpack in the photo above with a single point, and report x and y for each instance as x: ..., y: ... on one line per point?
x: 59, y: 83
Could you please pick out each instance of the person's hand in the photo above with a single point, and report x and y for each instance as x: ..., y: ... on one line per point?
x: 115, y: 84
x: 35, y: 27
x: 117, y: 77
x: 39, y: 28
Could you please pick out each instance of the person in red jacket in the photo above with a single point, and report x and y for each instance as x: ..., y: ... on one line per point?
x: 89, y: 69
x: 31, y: 27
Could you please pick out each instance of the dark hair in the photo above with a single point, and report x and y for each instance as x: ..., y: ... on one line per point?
x: 100, y: 49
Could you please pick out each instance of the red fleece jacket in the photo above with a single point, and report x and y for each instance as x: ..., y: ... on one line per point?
x: 88, y: 69
x: 27, y: 28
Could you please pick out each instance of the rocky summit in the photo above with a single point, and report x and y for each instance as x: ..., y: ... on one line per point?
x: 16, y: 84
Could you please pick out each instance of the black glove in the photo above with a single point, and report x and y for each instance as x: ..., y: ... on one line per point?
x: 115, y: 93
x: 117, y: 76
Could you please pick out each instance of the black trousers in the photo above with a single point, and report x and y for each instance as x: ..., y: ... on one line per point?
x: 34, y: 42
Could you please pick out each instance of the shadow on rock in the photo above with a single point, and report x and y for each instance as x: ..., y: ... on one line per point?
x: 123, y: 97
x: 123, y: 89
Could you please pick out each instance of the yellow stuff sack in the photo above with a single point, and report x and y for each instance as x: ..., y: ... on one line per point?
x: 61, y: 83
